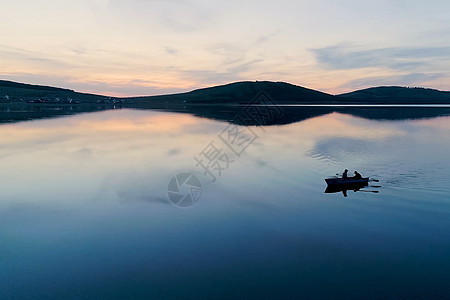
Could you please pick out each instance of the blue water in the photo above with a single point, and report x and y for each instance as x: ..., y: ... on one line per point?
x: 85, y: 212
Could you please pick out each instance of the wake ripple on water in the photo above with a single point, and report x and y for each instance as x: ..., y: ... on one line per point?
x: 403, y: 175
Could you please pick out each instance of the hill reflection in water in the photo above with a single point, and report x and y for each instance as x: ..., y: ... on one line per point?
x: 233, y: 114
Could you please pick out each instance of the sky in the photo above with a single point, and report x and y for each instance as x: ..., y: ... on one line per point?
x: 152, y: 47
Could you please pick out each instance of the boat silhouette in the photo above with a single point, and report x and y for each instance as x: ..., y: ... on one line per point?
x: 347, y: 181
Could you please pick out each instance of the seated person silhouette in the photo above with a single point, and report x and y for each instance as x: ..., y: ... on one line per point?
x: 357, y: 175
x: 344, y: 175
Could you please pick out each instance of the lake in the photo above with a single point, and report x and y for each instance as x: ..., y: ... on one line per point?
x: 179, y: 204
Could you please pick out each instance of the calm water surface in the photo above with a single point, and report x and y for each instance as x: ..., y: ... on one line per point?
x: 84, y: 209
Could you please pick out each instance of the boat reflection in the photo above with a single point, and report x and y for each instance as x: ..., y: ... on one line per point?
x: 344, y: 188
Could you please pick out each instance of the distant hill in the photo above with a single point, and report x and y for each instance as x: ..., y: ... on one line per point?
x: 398, y: 95
x: 243, y: 92
x: 24, y: 86
x: 13, y: 92
x: 228, y: 94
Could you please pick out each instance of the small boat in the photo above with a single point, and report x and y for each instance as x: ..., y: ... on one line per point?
x: 336, y: 188
x: 348, y: 181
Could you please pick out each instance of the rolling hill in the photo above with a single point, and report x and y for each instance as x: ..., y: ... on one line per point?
x: 397, y: 95
x: 13, y: 92
x: 228, y: 94
x: 243, y: 92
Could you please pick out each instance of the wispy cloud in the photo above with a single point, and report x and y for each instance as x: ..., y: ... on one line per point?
x: 226, y: 74
x: 345, y: 57
x: 171, y: 50
x: 234, y: 60
x: 174, y: 15
x: 139, y: 47
x: 14, y: 54
x: 208, y: 77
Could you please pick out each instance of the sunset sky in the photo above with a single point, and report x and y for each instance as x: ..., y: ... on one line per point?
x: 149, y: 47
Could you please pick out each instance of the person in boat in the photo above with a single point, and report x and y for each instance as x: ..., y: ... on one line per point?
x: 357, y: 175
x: 345, y: 175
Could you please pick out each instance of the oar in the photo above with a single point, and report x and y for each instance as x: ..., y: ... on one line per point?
x: 375, y: 192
